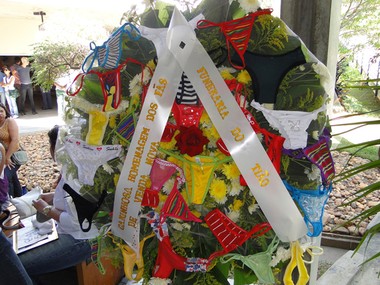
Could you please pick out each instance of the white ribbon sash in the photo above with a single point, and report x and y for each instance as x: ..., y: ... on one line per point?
x: 142, y: 151
x: 236, y: 132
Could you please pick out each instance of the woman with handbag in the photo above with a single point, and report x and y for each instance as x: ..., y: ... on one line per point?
x: 9, y: 137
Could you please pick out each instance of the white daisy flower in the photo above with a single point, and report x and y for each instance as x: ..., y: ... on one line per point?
x: 249, y: 5
x: 159, y: 281
x: 233, y: 215
x: 282, y: 254
x: 107, y: 168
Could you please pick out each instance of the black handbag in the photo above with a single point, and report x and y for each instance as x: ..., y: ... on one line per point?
x: 20, y: 157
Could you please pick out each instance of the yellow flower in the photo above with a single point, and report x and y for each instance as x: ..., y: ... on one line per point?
x: 171, y: 144
x: 151, y: 65
x: 112, y: 122
x: 226, y: 74
x: 231, y: 171
x: 205, y: 119
x: 244, y: 77
x: 237, y: 205
x: 196, y: 213
x: 218, y: 190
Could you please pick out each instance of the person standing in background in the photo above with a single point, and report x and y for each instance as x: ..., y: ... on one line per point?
x: 2, y: 90
x: 46, y: 98
x: 26, y: 85
x: 17, y: 78
x: 10, y: 92
x: 61, y: 85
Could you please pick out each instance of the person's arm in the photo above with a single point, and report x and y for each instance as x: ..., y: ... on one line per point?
x: 2, y: 162
x: 10, y: 82
x: 60, y: 86
x: 14, y: 143
x: 41, y: 204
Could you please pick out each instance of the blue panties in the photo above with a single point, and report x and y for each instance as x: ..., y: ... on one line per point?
x: 312, y: 203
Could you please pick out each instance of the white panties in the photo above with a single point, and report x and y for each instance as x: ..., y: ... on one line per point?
x: 292, y: 125
x: 88, y: 158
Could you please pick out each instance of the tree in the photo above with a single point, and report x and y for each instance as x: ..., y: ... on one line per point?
x: 63, y: 45
x: 53, y: 60
x: 361, y: 20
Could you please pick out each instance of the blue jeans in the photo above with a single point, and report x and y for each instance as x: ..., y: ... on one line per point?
x: 60, y: 254
x: 11, y: 269
x: 26, y: 89
x: 14, y: 185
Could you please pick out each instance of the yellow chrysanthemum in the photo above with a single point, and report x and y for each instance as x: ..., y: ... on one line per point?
x: 218, y: 190
x: 231, y: 171
x: 244, y: 77
x: 171, y: 144
x: 226, y: 74
x: 151, y: 64
x: 112, y: 122
x: 205, y: 119
x: 237, y: 205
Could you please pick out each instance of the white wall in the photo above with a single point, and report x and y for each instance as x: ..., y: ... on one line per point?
x: 17, y: 36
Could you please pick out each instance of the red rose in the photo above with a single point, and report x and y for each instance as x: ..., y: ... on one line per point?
x: 190, y: 140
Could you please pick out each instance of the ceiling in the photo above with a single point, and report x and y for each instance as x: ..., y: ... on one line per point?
x: 109, y: 10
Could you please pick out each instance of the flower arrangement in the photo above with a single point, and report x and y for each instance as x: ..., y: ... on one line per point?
x: 200, y: 181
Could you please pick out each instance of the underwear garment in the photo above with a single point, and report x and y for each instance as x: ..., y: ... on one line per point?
x: 237, y: 33
x: 296, y: 261
x: 131, y: 260
x: 186, y: 93
x: 312, y: 204
x: 110, y: 82
x: 267, y: 72
x: 272, y: 141
x: 230, y: 235
x: 292, y: 125
x: 319, y: 154
x: 167, y: 259
x: 258, y: 262
x: 199, y: 173
x: 187, y: 115
x: 109, y: 53
x: 126, y: 128
x: 160, y: 172
x: 88, y: 158
x: 175, y: 206
x: 85, y: 209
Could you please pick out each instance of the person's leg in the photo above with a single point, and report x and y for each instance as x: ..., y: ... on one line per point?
x: 11, y: 269
x: 44, y: 100
x: 31, y: 98
x: 15, y: 189
x: 2, y: 97
x: 56, y: 255
x: 48, y: 100
x: 22, y: 98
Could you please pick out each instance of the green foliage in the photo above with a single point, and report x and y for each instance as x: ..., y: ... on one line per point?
x: 52, y: 60
x: 361, y: 18
x: 269, y: 34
